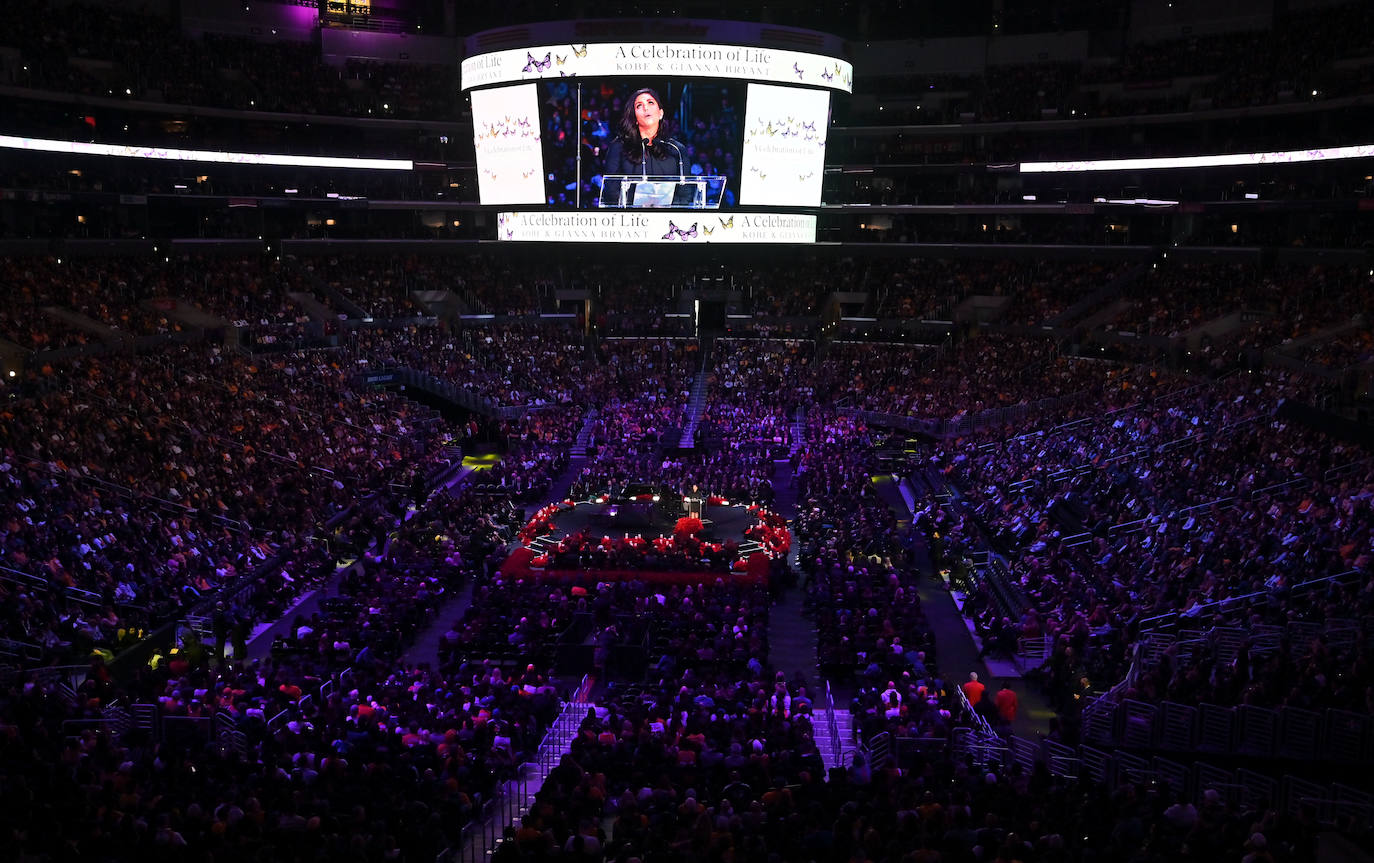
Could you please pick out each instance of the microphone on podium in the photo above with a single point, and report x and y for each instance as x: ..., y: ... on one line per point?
x: 681, y: 168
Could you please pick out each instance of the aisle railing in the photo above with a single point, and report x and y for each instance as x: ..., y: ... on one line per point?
x: 513, y: 799
x: 836, y: 750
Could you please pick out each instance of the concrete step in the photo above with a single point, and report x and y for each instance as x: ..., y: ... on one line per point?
x: 832, y: 755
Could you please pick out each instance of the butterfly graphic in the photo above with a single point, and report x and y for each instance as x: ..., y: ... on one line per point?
x: 707, y: 229
x: 798, y: 70
x: 727, y: 224
x: 684, y: 235
x: 560, y: 59
x: 828, y: 75
x: 762, y: 175
x: 563, y: 74
x: 580, y: 52
x: 538, y: 65
x: 530, y: 173
x: 510, y: 233
x: 805, y: 177
x: 810, y: 127
x: 524, y: 121
x: 770, y: 130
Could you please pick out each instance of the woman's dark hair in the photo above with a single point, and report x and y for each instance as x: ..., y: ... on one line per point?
x: 629, y: 128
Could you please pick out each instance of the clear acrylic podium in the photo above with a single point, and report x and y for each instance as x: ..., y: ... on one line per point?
x: 636, y: 191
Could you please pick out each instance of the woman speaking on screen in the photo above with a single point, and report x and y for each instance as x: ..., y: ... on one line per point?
x: 643, y: 146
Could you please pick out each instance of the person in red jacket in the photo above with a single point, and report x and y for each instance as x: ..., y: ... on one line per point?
x: 1006, y: 703
x: 973, y: 690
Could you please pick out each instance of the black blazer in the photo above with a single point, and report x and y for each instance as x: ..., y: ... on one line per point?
x: 663, y: 159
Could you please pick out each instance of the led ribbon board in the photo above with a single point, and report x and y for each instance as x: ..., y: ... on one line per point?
x: 674, y: 59
x: 81, y: 148
x: 655, y: 226
x: 1286, y: 157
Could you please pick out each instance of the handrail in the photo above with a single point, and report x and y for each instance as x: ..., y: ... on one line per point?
x: 979, y: 723
x: 77, y: 476
x: 1341, y: 470
x: 76, y: 594
x: 1312, y: 583
x: 1255, y: 494
x: 21, y: 650
x: 1162, y: 621
x: 1207, y: 505
x: 510, y: 799
x: 833, y: 726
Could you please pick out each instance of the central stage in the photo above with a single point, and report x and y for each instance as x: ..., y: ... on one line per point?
x: 646, y: 519
x: 648, y: 537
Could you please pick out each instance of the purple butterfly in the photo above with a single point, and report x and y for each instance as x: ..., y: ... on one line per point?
x: 675, y: 231
x: 538, y: 65
x: 828, y: 75
x: 798, y: 70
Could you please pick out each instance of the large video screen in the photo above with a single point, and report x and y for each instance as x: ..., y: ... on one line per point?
x: 784, y: 145
x: 699, y: 135
x: 506, y: 137
x: 662, y: 142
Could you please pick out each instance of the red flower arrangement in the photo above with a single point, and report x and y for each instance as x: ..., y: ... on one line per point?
x: 688, y: 525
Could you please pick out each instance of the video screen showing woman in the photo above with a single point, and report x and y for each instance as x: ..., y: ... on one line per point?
x: 663, y: 128
x: 641, y: 144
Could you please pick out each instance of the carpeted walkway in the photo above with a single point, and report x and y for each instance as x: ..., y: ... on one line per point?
x: 450, y: 611
x: 958, y: 651
x: 792, y: 639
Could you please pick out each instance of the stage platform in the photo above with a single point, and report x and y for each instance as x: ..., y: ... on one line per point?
x: 619, y: 521
x: 519, y: 565
x: 601, y: 540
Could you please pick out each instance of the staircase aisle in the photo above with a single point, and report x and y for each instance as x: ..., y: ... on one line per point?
x: 798, y: 431
x: 450, y: 611
x: 958, y: 648
x: 515, y: 797
x: 562, y: 487
x: 832, y: 754
x: 784, y: 490
x: 584, y: 434
x: 792, y: 635
x: 792, y: 640
x: 696, y: 405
